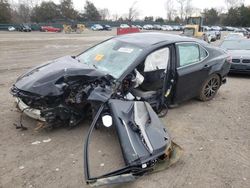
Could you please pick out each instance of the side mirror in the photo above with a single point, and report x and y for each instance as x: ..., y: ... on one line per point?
x: 107, y: 120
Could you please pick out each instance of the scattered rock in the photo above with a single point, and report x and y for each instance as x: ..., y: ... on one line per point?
x: 36, y: 142
x: 244, y: 179
x: 21, y: 167
x: 201, y: 149
x: 57, y: 169
x: 48, y: 140
x: 102, y: 164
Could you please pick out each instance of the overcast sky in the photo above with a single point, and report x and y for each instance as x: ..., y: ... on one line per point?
x: 147, y: 7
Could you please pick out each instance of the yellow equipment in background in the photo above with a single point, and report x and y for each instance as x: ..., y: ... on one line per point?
x: 77, y: 28
x: 194, y: 28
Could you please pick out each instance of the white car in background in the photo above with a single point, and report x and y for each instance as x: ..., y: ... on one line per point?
x: 139, y: 27
x: 216, y: 28
x: 96, y: 27
x: 148, y: 27
x: 124, y: 26
x: 167, y: 28
x: 206, y: 28
x: 235, y: 36
x: 11, y: 28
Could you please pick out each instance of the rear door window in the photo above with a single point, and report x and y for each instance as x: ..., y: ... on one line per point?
x: 190, y: 53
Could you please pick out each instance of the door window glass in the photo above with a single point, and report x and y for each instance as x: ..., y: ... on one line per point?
x: 190, y: 53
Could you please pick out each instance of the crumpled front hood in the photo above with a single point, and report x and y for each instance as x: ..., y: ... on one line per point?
x: 43, y: 80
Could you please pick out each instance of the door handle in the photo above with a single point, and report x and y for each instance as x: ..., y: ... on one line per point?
x: 206, y: 66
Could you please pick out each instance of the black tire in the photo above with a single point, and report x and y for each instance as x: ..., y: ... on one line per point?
x: 210, y: 88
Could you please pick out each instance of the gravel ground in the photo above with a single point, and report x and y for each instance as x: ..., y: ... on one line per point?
x: 215, y: 135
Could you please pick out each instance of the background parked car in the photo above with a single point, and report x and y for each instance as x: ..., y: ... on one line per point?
x: 96, y: 27
x: 176, y: 28
x: 107, y: 27
x: 167, y: 28
x: 218, y: 34
x: 228, y: 28
x: 11, y: 28
x: 139, y: 27
x: 24, y: 28
x: 124, y: 26
x: 50, y: 29
x: 156, y: 27
x: 243, y: 31
x: 234, y: 36
x: 206, y: 28
x: 216, y: 28
x: 211, y: 36
x: 147, y: 27
x: 239, y: 49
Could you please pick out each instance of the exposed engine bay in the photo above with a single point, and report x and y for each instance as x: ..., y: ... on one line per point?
x: 79, y: 99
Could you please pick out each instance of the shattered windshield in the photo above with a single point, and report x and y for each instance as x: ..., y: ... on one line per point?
x: 112, y: 57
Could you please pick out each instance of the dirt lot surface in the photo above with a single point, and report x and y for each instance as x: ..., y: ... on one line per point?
x: 215, y: 135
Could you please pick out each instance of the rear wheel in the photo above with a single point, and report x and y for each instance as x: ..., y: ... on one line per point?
x: 210, y: 87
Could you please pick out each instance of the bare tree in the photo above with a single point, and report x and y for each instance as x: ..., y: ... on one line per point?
x: 182, y: 4
x: 233, y: 3
x: 23, y: 13
x: 115, y: 17
x: 104, y: 13
x: 188, y: 9
x: 133, y: 12
x: 169, y: 7
x: 30, y: 3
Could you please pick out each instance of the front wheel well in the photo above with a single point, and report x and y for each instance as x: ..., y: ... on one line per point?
x: 219, y: 77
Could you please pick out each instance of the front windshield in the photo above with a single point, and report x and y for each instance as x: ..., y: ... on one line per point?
x: 112, y: 57
x: 236, y: 44
x: 189, y: 32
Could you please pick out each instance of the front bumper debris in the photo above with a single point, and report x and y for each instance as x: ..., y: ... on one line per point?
x: 31, y: 112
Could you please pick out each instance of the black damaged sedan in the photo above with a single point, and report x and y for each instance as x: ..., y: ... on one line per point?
x: 125, y: 82
x: 157, y: 68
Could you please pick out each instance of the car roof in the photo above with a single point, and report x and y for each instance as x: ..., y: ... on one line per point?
x: 236, y: 39
x: 152, y: 38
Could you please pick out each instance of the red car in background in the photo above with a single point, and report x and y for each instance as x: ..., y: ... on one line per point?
x: 50, y: 29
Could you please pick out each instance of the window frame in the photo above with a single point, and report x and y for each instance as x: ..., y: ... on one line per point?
x: 193, y: 43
